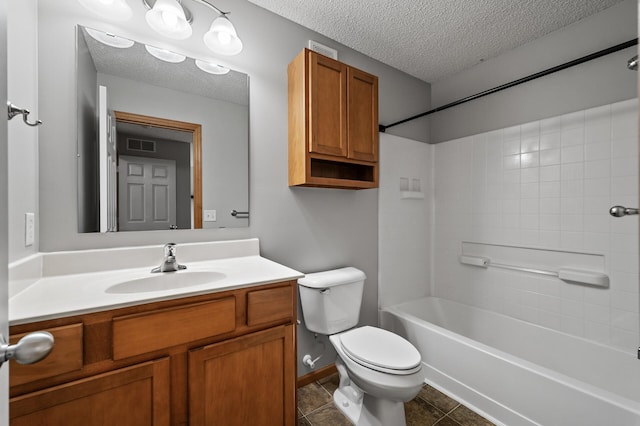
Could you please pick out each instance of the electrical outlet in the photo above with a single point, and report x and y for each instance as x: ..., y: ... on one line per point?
x: 29, y: 229
x: 209, y: 216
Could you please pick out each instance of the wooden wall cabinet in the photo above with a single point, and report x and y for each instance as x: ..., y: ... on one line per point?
x: 333, y: 124
x: 222, y: 358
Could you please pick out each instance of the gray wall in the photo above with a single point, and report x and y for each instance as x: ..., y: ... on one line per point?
x: 598, y: 82
x: 22, y: 91
x: 309, y: 229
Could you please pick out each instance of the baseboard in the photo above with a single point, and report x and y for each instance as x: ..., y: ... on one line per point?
x: 316, y: 375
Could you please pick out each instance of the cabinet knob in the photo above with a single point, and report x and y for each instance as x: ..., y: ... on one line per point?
x: 30, y: 349
x: 620, y: 211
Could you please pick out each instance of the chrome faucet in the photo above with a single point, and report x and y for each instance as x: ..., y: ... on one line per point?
x: 169, y: 264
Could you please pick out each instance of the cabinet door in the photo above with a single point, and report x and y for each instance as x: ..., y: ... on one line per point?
x: 328, y: 106
x: 245, y: 381
x: 137, y: 395
x: 362, y: 115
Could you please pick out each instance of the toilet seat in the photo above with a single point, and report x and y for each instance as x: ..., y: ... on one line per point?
x: 380, y: 350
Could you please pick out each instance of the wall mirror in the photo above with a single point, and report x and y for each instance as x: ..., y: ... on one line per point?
x: 162, y: 139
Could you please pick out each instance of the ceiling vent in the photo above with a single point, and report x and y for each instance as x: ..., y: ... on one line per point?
x: 323, y: 50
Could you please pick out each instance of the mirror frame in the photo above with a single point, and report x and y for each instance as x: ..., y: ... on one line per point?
x: 196, y: 149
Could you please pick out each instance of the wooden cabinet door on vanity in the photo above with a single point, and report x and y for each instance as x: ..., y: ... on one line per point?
x: 131, y: 396
x: 246, y: 381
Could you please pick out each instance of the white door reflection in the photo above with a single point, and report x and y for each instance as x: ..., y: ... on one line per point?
x: 147, y: 193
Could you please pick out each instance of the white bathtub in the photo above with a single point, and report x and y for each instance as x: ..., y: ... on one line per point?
x: 516, y: 373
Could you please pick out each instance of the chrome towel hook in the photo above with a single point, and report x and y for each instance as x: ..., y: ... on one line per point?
x: 13, y: 110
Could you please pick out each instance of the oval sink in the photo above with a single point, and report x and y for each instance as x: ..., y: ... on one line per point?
x: 166, y: 281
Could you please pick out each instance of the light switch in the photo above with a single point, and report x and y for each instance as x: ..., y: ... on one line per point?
x: 209, y: 216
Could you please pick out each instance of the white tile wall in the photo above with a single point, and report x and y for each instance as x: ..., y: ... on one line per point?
x: 546, y: 184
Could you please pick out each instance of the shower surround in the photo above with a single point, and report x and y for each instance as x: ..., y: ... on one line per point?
x: 546, y: 184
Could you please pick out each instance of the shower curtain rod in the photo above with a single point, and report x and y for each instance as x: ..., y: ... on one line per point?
x: 566, y: 65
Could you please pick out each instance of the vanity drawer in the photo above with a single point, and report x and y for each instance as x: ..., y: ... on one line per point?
x: 141, y: 333
x: 65, y: 357
x: 270, y: 305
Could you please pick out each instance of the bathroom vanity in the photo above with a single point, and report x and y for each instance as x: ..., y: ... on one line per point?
x: 219, y: 352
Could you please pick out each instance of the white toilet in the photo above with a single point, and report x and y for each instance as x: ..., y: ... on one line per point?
x: 379, y: 370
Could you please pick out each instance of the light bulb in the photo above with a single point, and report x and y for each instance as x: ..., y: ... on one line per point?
x: 109, y: 39
x: 170, y: 19
x: 165, y: 55
x: 167, y: 17
x: 211, y: 68
x: 224, y: 38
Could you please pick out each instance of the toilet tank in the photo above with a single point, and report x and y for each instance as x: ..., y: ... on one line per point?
x: 331, y: 299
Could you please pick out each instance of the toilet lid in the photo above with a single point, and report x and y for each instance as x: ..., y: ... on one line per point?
x: 380, y: 350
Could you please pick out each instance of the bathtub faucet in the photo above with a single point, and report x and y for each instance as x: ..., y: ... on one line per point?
x: 169, y: 264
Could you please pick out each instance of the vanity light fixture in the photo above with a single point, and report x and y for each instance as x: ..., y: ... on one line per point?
x: 171, y: 19
x: 211, y: 68
x: 165, y: 55
x: 222, y: 37
x: 117, y: 10
x: 110, y: 39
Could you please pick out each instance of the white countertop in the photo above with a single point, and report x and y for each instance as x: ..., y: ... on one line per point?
x: 65, y: 295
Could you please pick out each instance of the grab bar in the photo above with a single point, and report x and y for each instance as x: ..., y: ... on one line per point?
x: 597, y: 279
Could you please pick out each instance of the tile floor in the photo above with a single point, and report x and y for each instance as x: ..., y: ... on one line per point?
x: 430, y: 407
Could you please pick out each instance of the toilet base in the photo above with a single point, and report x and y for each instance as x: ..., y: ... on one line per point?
x: 370, y: 411
x: 349, y: 408
x: 381, y: 412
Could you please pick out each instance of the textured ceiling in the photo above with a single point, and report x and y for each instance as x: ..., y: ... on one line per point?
x: 432, y: 39
x: 136, y: 64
